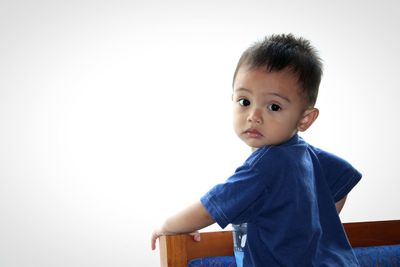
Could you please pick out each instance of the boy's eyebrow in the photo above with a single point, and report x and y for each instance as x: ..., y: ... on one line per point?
x: 243, y: 89
x: 280, y: 96
x: 274, y: 94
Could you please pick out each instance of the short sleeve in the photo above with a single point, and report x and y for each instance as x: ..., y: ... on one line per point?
x: 340, y: 175
x: 234, y: 200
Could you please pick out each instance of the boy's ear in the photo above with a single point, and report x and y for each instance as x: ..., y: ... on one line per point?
x: 308, y: 117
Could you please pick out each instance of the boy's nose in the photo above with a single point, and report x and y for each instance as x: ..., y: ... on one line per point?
x: 255, y: 116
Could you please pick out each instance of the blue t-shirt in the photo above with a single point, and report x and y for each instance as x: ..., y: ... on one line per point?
x: 286, y: 194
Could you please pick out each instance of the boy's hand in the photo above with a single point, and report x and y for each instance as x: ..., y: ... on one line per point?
x: 156, y: 235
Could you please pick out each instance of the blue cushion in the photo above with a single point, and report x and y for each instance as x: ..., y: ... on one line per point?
x: 222, y: 261
x: 382, y: 256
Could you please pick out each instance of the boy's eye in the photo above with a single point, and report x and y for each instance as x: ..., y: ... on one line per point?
x: 274, y: 107
x: 244, y: 102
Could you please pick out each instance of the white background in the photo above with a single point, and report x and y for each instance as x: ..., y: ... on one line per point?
x: 115, y: 114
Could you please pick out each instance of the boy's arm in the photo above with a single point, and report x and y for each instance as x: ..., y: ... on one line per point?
x: 340, y: 204
x: 192, y: 218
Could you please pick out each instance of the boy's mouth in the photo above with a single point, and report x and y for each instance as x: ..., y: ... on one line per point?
x: 253, y: 133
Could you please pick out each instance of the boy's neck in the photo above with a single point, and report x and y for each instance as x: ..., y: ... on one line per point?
x: 255, y: 148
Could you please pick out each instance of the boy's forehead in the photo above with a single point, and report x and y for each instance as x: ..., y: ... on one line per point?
x: 247, y: 74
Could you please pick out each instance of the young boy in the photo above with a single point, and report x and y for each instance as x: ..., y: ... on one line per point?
x: 287, y: 194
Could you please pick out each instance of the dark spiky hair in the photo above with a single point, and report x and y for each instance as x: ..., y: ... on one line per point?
x: 285, y: 51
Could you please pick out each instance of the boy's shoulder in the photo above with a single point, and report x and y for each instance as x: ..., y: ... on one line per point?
x: 294, y: 152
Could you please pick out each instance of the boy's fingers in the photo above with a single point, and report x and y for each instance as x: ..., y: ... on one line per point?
x: 154, y: 238
x: 196, y: 236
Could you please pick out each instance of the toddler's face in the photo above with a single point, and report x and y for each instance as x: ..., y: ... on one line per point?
x: 267, y: 106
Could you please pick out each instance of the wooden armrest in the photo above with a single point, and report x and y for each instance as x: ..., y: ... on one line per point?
x: 374, y: 233
x: 177, y: 250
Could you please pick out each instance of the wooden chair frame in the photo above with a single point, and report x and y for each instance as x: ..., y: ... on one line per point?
x: 178, y: 250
